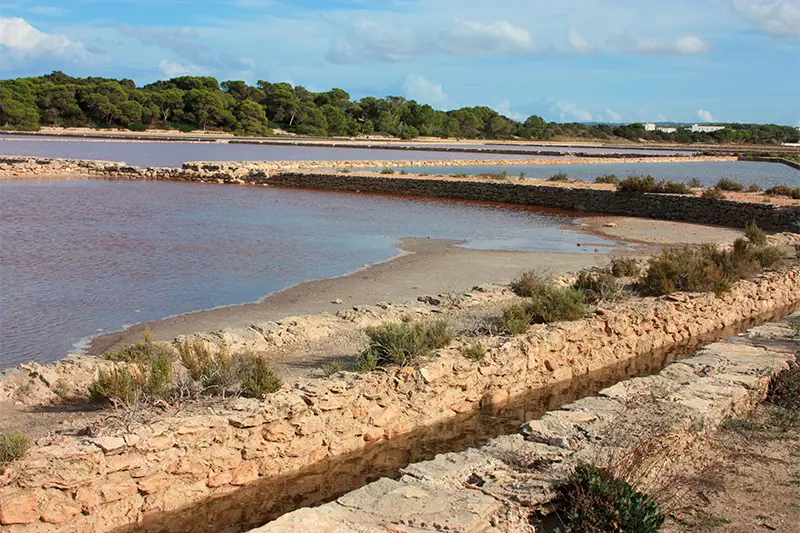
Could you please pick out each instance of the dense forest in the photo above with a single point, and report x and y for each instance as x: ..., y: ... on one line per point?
x: 191, y: 103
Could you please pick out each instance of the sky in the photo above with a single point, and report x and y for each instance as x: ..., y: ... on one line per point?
x: 565, y: 60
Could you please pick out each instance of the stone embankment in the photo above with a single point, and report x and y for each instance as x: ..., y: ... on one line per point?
x: 233, y: 465
x: 576, y: 197
x: 497, y: 487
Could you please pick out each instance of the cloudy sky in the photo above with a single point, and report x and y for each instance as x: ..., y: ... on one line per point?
x: 567, y: 60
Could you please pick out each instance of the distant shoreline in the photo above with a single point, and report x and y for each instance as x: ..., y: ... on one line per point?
x: 376, y: 142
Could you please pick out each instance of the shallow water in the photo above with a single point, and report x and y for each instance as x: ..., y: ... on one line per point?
x: 78, y: 257
x: 763, y: 174
x: 174, y: 154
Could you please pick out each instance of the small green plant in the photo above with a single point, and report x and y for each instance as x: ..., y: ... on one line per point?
x: 330, y: 369
x: 648, y: 184
x: 461, y: 175
x: 402, y: 343
x: 695, y: 183
x: 713, y: 194
x: 754, y: 187
x: 522, y: 175
x: 387, y: 171
x: 516, y: 319
x: 117, y: 385
x: 607, y: 178
x: 529, y: 283
x: 726, y: 184
x: 598, y: 286
x: 625, y: 267
x: 784, y: 190
x: 346, y: 170
x: 494, y: 175
x: 257, y: 378
x: 784, y: 396
x: 755, y: 234
x: 403, y: 172
x: 474, y: 352
x: 597, y: 502
x: 559, y: 176
x: 14, y: 444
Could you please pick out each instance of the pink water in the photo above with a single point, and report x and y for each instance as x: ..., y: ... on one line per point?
x: 84, y: 256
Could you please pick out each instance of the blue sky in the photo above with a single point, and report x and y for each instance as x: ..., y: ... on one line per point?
x: 567, y: 60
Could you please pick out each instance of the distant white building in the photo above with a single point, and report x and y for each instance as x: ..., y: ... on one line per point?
x: 696, y: 128
x: 652, y: 127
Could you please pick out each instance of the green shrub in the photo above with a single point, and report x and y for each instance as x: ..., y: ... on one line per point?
x: 754, y: 187
x: 14, y: 444
x: 332, y: 368
x: 140, y: 352
x: 402, y: 343
x: 474, y: 352
x: 530, y: 283
x: 257, y: 378
x: 625, y: 267
x: 713, y: 194
x: 494, y: 175
x: 784, y: 190
x: 559, y: 176
x: 516, y: 319
x: 643, y: 184
x: 598, y: 286
x: 695, y: 183
x: 387, y: 171
x: 726, y: 184
x: 117, y: 385
x: 707, y: 268
x: 784, y: 395
x: 597, y: 502
x: 607, y: 178
x: 755, y: 234
x: 461, y: 175
x: 216, y: 373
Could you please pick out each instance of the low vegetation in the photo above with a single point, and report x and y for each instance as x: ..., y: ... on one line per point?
x: 14, y: 444
x: 546, y: 302
x: 597, y: 502
x: 559, y: 176
x: 387, y: 171
x: 707, y: 268
x: 625, y: 267
x: 599, y: 286
x: 648, y: 184
x: 474, y: 352
x: 726, y: 184
x: 713, y: 194
x: 695, y: 183
x: 494, y: 175
x: 754, y: 187
x: 151, y: 373
x: 784, y: 397
x: 755, y: 234
x: 402, y: 343
x: 784, y: 190
x: 607, y: 178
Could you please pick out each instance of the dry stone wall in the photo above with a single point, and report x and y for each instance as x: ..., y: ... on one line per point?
x: 211, y: 471
x: 493, y: 489
x: 660, y: 206
x: 301, y: 175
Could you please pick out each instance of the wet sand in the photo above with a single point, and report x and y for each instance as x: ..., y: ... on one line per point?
x: 428, y: 266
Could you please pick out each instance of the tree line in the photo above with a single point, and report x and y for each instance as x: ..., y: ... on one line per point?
x: 191, y: 103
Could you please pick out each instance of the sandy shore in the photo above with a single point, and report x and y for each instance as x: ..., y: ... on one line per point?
x: 429, y: 266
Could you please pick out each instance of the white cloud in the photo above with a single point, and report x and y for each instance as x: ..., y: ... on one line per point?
x: 172, y: 70
x: 687, y: 45
x: 705, y: 116
x: 22, y: 44
x: 579, y: 43
x: 568, y: 111
x: 504, y: 108
x: 779, y: 18
x: 471, y: 38
x: 613, y: 115
x: 365, y: 40
x: 422, y: 90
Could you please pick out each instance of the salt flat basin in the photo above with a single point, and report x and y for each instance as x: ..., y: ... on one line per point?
x: 83, y: 257
x: 747, y: 172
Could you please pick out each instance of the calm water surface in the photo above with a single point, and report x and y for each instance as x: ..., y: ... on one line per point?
x: 174, y: 154
x: 81, y: 256
x: 764, y: 174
